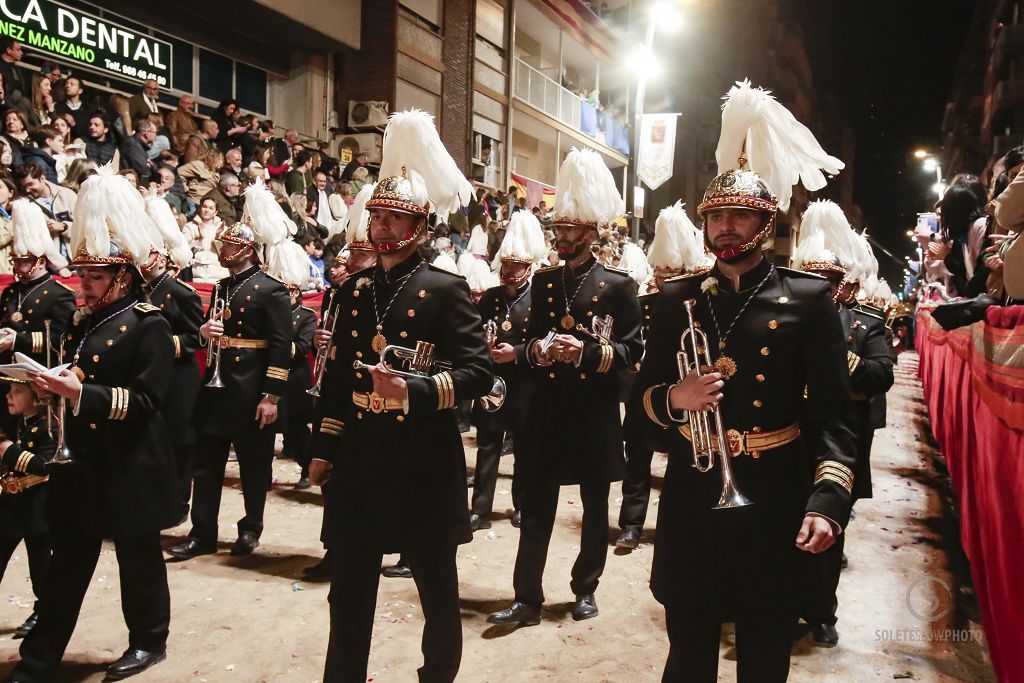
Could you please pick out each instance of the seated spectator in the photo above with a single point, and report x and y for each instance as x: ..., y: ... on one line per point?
x: 78, y: 171
x: 325, y: 207
x: 73, y: 106
x: 250, y: 138
x: 358, y: 161
x: 201, y: 176
x: 300, y: 210
x: 226, y: 116
x: 233, y: 163
x: 181, y: 124
x: 144, y: 102
x: 360, y: 177
x: 131, y: 176
x: 161, y: 185
x: 57, y: 203
x: 6, y: 155
x: 162, y: 141
x: 7, y: 194
x: 299, y: 178
x: 48, y: 144
x: 16, y: 132
x: 203, y: 228
x: 199, y: 142
x: 121, y: 121
x: 314, y: 247
x: 227, y: 197
x: 169, y: 160
x: 101, y: 145
x: 42, y: 110
x: 135, y: 151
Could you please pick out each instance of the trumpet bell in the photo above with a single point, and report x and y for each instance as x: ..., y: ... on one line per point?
x: 731, y: 497
x: 62, y: 457
x: 215, y: 381
x: 495, y: 398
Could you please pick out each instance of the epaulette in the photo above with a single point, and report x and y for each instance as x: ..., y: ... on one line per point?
x: 308, y: 309
x: 186, y: 285
x: 683, y: 276
x: 273, y: 278
x: 547, y: 269
x: 799, y: 273
x: 65, y: 286
x: 648, y: 294
x: 870, y: 314
x: 439, y: 269
x: 145, y: 308
x: 868, y: 308
x: 616, y: 269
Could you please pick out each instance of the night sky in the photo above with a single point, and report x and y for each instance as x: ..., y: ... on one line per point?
x: 891, y: 63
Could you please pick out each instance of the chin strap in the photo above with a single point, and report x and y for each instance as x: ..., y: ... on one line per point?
x: 392, y: 247
x: 106, y: 298
x: 732, y: 253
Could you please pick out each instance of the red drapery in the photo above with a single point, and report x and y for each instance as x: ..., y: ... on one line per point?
x: 973, y: 380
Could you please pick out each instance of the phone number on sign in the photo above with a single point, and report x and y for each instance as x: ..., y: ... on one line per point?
x: 129, y: 70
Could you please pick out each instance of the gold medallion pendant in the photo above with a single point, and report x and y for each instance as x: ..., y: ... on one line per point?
x: 725, y: 366
x: 227, y: 313
x: 507, y: 325
x: 378, y: 342
x: 79, y: 373
x: 17, y: 317
x: 568, y: 322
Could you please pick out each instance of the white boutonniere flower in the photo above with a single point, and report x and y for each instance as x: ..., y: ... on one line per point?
x: 709, y: 285
x: 363, y: 282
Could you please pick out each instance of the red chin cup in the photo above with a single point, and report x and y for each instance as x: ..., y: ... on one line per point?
x: 238, y: 257
x: 734, y: 252
x: 152, y: 263
x: 392, y: 247
x: 21, y: 277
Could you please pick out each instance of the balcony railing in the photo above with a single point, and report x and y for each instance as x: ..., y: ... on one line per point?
x: 546, y: 94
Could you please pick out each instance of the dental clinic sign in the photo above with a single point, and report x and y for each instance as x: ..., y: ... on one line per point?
x: 50, y: 27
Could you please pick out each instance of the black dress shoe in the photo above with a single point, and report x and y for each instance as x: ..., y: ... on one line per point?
x: 320, y: 570
x: 302, y: 484
x: 27, y: 626
x: 398, y: 571
x: 134, y: 661
x: 476, y: 522
x: 517, y: 518
x: 844, y: 563
x: 516, y: 614
x: 246, y: 543
x: 825, y: 635
x: 629, y: 539
x: 190, y: 548
x: 585, y: 607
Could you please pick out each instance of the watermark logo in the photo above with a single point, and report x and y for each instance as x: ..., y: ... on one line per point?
x: 929, y: 598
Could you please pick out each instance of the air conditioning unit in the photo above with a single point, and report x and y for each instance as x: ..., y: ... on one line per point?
x: 368, y: 143
x: 367, y: 114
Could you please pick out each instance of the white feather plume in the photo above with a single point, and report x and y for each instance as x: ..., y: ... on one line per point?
x: 31, y: 236
x: 862, y: 259
x: 289, y: 263
x: 524, y: 239
x: 477, y: 241
x: 678, y: 244
x: 824, y: 228
x: 476, y: 271
x: 358, y: 219
x: 883, y: 291
x: 779, y: 148
x: 446, y: 262
x: 411, y: 142
x: 634, y: 260
x: 266, y: 217
x: 109, y: 208
x: 586, y: 190
x: 168, y: 232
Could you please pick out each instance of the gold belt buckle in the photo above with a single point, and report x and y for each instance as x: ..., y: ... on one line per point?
x: 735, y: 439
x: 11, y: 484
x: 377, y: 403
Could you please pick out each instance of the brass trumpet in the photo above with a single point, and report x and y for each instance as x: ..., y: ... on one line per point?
x: 320, y: 361
x: 692, y: 355
x: 62, y: 455
x: 600, y: 329
x: 418, y: 362
x: 495, y: 398
x: 217, y: 307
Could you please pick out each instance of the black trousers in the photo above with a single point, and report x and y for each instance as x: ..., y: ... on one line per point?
x: 355, y: 574
x: 183, y: 458
x: 636, y: 488
x: 297, y: 439
x: 39, y: 549
x: 145, y: 599
x: 762, y: 647
x: 822, y: 601
x: 255, y: 465
x: 485, y: 475
x: 540, y: 503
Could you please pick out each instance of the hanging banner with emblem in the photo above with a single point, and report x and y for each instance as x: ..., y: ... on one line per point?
x: 657, y: 149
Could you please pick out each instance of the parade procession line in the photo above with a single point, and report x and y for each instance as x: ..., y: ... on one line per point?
x: 905, y: 611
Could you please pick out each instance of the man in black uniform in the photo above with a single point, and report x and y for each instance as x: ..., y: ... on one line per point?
x: 677, y: 247
x: 390, y: 442
x: 771, y: 332
x: 506, y: 310
x: 120, y: 484
x: 575, y: 432
x: 35, y: 296
x: 871, y: 375
x: 180, y: 304
x: 255, y: 340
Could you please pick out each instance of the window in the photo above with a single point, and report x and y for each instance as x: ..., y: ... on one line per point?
x: 251, y: 88
x: 215, y: 76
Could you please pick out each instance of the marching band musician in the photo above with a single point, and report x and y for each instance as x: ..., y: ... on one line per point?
x: 390, y: 442
x: 830, y: 248
x: 120, y: 483
x: 254, y: 339
x: 506, y: 308
x: 23, y: 501
x: 36, y: 296
x: 677, y: 248
x: 180, y: 304
x: 573, y: 381
x: 771, y: 332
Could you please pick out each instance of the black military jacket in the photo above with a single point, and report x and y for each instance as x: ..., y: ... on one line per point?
x: 400, y: 476
x: 123, y: 482
x: 41, y: 299
x: 572, y: 416
x: 735, y: 561
x: 494, y: 305
x: 300, y: 378
x: 181, y: 306
x: 637, y: 430
x: 24, y: 514
x: 259, y: 309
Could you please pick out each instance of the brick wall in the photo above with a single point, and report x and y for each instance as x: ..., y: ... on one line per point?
x: 457, y: 83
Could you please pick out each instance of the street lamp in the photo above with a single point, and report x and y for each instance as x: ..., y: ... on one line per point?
x: 930, y: 163
x: 664, y: 16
